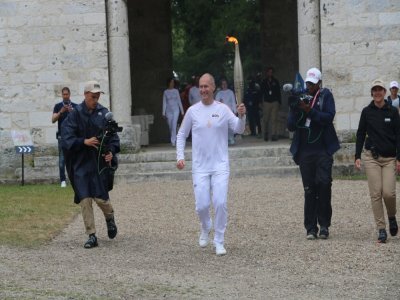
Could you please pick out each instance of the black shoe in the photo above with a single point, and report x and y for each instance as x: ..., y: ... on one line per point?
x: 324, y: 233
x: 393, y: 228
x: 382, y: 236
x: 111, y: 228
x: 91, y: 242
x: 311, y: 235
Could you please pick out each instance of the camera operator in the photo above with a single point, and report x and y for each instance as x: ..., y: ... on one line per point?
x: 314, y: 143
x: 379, y: 128
x: 90, y: 159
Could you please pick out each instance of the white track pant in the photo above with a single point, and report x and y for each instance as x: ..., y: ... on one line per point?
x: 172, y: 119
x: 213, y: 186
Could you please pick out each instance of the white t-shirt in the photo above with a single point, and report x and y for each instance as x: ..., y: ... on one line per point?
x: 171, y: 101
x: 209, y: 125
x: 194, y: 95
x: 227, y: 97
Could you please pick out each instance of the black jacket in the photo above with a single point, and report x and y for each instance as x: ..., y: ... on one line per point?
x: 382, y: 125
x: 271, y: 90
x: 86, y: 168
x: 321, y: 115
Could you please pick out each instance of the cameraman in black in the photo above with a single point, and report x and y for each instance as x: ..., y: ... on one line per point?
x: 90, y: 159
x: 314, y: 143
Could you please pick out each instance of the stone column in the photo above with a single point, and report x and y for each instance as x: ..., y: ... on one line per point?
x: 120, y: 73
x: 309, y: 35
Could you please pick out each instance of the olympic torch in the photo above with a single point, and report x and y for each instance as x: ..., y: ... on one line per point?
x: 237, y: 71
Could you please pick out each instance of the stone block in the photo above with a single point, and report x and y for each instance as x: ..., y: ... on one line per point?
x: 40, y: 119
x: 8, y: 9
x: 5, y: 121
x: 354, y: 120
x: 342, y: 121
x: 20, y: 120
x: 50, y: 76
x: 50, y: 134
x: 389, y: 18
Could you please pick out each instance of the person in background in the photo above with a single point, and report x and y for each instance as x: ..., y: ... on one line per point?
x: 271, y: 92
x: 379, y: 131
x: 209, y: 121
x: 60, y: 112
x: 172, y: 106
x: 313, y: 145
x: 394, y: 97
x: 90, y: 156
x: 227, y: 97
x: 194, y: 92
x: 252, y: 101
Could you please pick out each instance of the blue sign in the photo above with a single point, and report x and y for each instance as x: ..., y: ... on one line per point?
x: 24, y: 149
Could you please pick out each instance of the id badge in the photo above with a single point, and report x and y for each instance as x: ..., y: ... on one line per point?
x: 308, y: 122
x: 270, y: 93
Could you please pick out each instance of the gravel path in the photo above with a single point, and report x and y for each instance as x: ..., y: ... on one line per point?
x: 156, y: 255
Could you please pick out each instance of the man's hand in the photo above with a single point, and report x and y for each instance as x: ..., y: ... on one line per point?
x: 180, y: 164
x: 304, y: 107
x: 241, y: 109
x: 108, y: 157
x: 92, y: 142
x: 357, y: 164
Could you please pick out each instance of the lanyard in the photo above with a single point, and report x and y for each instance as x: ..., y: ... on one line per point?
x: 315, y: 98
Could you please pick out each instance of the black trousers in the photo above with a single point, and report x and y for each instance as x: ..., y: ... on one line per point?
x: 316, y: 174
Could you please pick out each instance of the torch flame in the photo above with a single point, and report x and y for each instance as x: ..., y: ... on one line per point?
x: 231, y: 39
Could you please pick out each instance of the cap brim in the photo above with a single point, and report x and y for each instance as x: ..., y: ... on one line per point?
x: 313, y: 80
x: 96, y: 91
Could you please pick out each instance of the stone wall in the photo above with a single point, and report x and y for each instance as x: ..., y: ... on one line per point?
x: 359, y: 42
x: 45, y: 45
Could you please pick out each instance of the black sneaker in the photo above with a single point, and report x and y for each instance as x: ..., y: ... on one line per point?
x: 393, y: 228
x: 382, y: 236
x: 111, y: 228
x: 324, y: 233
x: 311, y: 235
x: 91, y: 242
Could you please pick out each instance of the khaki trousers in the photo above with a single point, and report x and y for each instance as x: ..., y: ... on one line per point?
x: 270, y: 116
x: 381, y: 174
x: 87, y: 212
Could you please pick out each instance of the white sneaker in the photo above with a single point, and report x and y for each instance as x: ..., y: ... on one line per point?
x: 63, y: 184
x: 220, y: 249
x: 203, y: 239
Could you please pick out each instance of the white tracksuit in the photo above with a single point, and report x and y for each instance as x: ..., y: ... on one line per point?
x: 172, y: 105
x: 210, y: 159
x: 228, y: 97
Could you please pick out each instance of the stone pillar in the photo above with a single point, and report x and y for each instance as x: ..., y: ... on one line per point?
x: 120, y: 73
x: 309, y: 35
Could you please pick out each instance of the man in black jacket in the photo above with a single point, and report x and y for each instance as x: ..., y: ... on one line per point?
x: 90, y: 159
x: 271, y: 92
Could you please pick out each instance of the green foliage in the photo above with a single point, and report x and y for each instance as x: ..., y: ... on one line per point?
x: 32, y: 214
x: 199, y: 31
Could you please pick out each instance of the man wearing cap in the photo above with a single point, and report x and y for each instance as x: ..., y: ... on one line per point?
x: 379, y: 129
x: 314, y: 143
x: 394, y: 98
x: 90, y: 160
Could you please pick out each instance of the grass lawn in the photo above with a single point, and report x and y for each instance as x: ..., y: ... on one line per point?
x: 31, y: 215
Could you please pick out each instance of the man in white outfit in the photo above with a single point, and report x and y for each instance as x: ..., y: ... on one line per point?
x: 209, y: 121
x: 227, y: 96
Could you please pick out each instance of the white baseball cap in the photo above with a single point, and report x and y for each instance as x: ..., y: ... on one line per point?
x: 93, y: 87
x: 313, y: 75
x: 394, y: 84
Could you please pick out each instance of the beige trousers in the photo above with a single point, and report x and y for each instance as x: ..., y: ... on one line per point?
x: 381, y: 174
x: 270, y: 116
x: 87, y: 212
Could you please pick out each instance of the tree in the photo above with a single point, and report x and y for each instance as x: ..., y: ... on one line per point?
x: 199, y: 30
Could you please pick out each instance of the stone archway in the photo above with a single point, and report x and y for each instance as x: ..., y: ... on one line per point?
x: 290, y: 41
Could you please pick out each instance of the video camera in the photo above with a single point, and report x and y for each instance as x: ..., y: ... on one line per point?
x: 110, y: 128
x: 297, y: 93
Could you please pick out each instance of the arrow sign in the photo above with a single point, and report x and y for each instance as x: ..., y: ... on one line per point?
x: 24, y: 149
